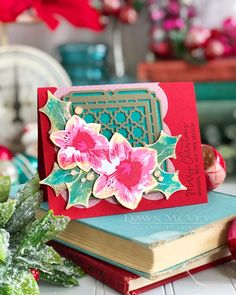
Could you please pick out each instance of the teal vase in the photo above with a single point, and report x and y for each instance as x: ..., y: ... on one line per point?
x: 86, y: 63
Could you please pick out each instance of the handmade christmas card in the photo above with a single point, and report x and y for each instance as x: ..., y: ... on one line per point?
x: 115, y: 149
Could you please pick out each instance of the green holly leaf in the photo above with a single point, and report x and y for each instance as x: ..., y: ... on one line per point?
x: 58, y: 224
x: 27, y: 190
x: 6, y: 211
x: 28, y: 285
x: 167, y: 183
x: 165, y: 147
x: 46, y: 254
x: 42, y: 259
x: 4, y: 244
x: 19, y: 282
x: 59, y: 177
x: 80, y: 190
x: 41, y: 231
x: 5, y: 186
x: 66, y: 274
x: 57, y: 111
x: 75, y: 180
x: 24, y: 213
x: 36, y: 233
x: 59, y: 278
x: 70, y: 268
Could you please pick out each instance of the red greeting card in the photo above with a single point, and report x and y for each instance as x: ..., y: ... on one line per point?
x: 115, y: 149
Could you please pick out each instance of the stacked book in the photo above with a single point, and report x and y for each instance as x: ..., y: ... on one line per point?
x: 139, y: 251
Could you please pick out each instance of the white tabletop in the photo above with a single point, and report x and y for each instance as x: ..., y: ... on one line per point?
x: 220, y: 280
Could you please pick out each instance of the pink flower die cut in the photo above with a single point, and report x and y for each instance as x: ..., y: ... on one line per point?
x: 127, y: 174
x: 80, y: 143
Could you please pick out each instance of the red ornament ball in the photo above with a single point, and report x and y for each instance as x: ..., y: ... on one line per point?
x: 158, y: 34
x: 156, y: 14
x: 174, y: 8
x: 128, y: 15
x: 35, y: 273
x: 214, y: 166
x: 232, y: 238
x: 229, y: 24
x: 111, y: 6
x: 162, y: 49
x: 196, y: 37
x: 5, y: 154
x: 217, y: 47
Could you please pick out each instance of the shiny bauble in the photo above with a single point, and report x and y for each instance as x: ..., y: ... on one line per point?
x: 217, y: 46
x: 7, y: 168
x: 161, y: 49
x: 128, y: 15
x: 158, y: 34
x: 5, y: 154
x: 111, y: 6
x: 196, y: 37
x: 156, y: 13
x: 214, y: 167
x: 35, y: 273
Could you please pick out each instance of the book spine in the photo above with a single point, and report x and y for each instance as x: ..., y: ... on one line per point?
x: 109, y: 275
x: 180, y: 276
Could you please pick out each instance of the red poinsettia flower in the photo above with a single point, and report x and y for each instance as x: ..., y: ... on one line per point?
x: 10, y: 9
x: 127, y: 174
x: 78, y: 13
x: 80, y: 144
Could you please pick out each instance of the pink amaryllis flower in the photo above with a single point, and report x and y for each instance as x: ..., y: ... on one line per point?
x: 127, y: 174
x: 79, y: 144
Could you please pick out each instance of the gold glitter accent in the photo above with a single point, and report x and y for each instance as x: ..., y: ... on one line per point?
x: 59, y: 188
x: 160, y: 179
x: 73, y: 172
x: 90, y: 176
x: 78, y: 110
x: 157, y: 173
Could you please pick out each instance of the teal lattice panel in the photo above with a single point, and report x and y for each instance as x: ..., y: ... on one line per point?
x: 135, y: 114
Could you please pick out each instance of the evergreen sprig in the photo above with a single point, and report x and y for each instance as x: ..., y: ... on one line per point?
x: 22, y: 243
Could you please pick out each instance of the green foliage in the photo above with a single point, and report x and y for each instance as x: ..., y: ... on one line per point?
x: 66, y: 274
x: 6, y: 211
x: 22, y: 243
x: 60, y: 176
x: 79, y: 187
x: 58, y: 112
x: 165, y: 147
x: 35, y: 234
x: 168, y: 183
x: 4, y: 244
x: 45, y: 254
x: 27, y: 190
x: 80, y: 190
x: 18, y: 281
x: 5, y: 185
x: 25, y: 212
x: 58, y: 224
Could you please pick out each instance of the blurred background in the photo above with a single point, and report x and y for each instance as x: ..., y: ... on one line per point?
x: 71, y: 42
